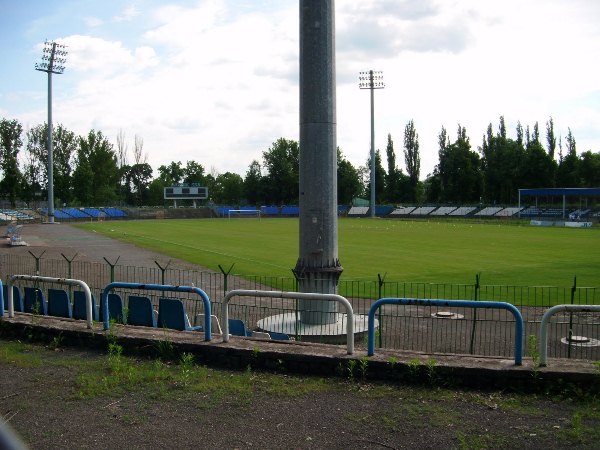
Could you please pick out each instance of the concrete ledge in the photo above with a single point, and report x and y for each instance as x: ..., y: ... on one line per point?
x: 310, y: 358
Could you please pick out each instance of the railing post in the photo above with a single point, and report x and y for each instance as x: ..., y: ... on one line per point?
x: 381, y: 282
x: 37, y: 261
x: 570, y: 335
x: 225, y: 276
x: 162, y: 270
x: 475, y: 298
x: 69, y: 271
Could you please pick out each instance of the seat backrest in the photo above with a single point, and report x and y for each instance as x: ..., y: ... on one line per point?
x: 140, y: 311
x: 34, y: 301
x: 59, y: 304
x: 279, y: 336
x: 171, y: 314
x: 237, y: 327
x: 215, y: 326
x: 79, y: 311
x: 116, y: 310
x: 17, y: 299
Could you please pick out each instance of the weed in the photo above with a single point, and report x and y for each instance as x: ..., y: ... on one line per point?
x: 597, y: 364
x: 393, y: 361
x: 187, y: 364
x: 532, y: 344
x: 363, y: 363
x: 350, y: 366
x: 431, y: 363
x: 414, y: 368
x: 164, y: 347
x: 56, y: 342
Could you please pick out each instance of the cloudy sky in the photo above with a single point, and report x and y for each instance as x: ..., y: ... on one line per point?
x: 216, y: 81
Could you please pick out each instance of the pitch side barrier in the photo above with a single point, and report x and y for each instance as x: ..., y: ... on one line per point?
x: 519, y: 326
x: 67, y: 281
x: 292, y: 295
x: 159, y: 287
x: 546, y: 320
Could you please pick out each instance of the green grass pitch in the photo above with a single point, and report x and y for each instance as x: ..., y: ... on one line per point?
x: 413, y: 251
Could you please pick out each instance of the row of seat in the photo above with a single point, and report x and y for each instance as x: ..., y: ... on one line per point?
x: 171, y: 312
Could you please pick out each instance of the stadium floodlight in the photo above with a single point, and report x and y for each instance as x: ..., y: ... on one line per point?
x: 53, y: 60
x: 372, y: 80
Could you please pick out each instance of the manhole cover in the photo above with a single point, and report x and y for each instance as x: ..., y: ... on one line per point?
x: 581, y: 341
x: 446, y: 315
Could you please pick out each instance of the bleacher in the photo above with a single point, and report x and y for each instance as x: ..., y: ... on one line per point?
x: 443, y: 211
x: 75, y: 213
x: 422, y: 211
x: 358, y: 211
x: 269, y: 210
x: 489, y: 211
x: 290, y: 211
x: 342, y: 209
x: 508, y: 212
x: 58, y: 214
x: 402, y: 211
x: 463, y: 211
x: 13, y: 214
x: 382, y: 211
x: 115, y: 212
x: 92, y: 212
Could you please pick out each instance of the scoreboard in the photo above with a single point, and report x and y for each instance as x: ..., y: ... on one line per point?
x: 186, y: 192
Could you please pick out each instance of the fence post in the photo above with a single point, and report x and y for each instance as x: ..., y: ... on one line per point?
x: 162, y: 270
x: 69, y: 271
x: 225, y: 276
x: 381, y: 282
x: 475, y: 297
x: 296, y: 311
x: 112, y: 268
x: 570, y: 335
x: 37, y: 261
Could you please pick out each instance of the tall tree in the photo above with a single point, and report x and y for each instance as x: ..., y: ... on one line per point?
x: 349, y: 185
x: 567, y: 174
x: 392, y: 182
x: 380, y: 178
x: 253, y: 184
x: 193, y: 173
x: 412, y: 158
x: 281, y: 161
x: 10, y: 145
x: 550, y: 138
x: 98, y: 152
x: 171, y: 174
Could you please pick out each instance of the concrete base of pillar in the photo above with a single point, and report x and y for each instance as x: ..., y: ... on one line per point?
x: 331, y: 333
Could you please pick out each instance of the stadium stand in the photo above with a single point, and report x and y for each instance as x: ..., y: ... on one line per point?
x: 489, y: 211
x: 75, y: 213
x: 531, y: 211
x: 12, y: 214
x: 358, y: 211
x: 463, y: 211
x: 92, y: 212
x: 342, y: 209
x: 58, y: 214
x: 290, y: 211
x: 115, y: 212
x: 402, y: 211
x: 508, y: 212
x: 422, y: 211
x: 443, y: 211
x: 269, y: 210
x: 383, y: 210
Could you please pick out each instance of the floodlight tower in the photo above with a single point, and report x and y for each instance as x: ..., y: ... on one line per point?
x: 52, y: 62
x: 372, y: 80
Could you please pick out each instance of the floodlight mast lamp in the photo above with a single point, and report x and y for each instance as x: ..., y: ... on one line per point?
x: 372, y: 80
x: 53, y: 59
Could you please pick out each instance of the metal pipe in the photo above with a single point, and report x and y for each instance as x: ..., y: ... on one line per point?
x: 309, y: 296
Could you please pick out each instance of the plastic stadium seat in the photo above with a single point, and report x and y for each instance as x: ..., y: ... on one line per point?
x: 79, y: 311
x: 279, y: 336
x: 59, y: 304
x: 237, y: 327
x: 34, y: 301
x: 140, y: 312
x: 171, y: 314
x: 116, y: 310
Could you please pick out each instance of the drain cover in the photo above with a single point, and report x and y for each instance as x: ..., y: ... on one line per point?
x: 446, y: 315
x: 579, y: 339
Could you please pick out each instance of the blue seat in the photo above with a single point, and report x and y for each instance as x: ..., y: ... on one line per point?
x: 237, y: 327
x: 79, y: 311
x: 116, y: 310
x: 140, y: 312
x: 17, y: 299
x: 279, y: 336
x: 171, y: 314
x: 34, y: 301
x: 59, y: 304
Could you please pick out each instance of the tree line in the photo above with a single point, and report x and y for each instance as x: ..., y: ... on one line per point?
x: 89, y: 170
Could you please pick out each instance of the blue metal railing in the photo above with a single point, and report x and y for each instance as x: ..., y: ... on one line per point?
x: 159, y: 287
x: 519, y: 325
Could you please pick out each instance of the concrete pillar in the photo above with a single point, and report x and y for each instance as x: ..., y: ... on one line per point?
x: 318, y: 268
